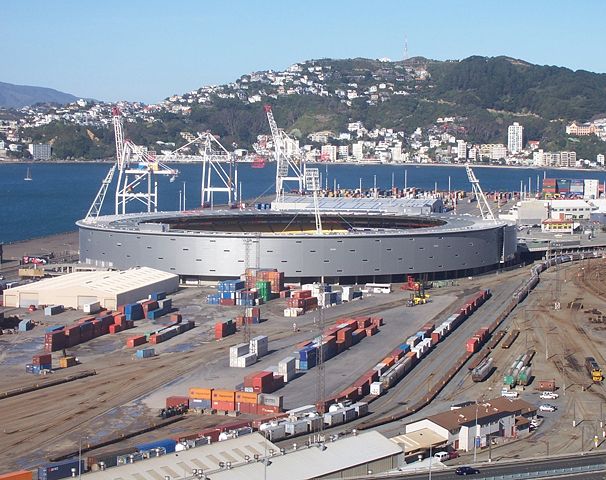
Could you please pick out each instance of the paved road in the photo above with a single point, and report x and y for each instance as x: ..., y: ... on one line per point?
x: 522, y: 466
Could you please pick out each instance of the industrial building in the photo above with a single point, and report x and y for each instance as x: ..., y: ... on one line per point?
x: 109, y: 288
x: 499, y: 417
x: 533, y: 212
x: 361, y: 240
x: 244, y: 458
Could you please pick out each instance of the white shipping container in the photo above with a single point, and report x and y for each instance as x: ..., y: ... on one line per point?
x: 361, y: 408
x: 93, y: 307
x: 296, y: 427
x: 276, y: 432
x: 246, y: 360
x: 313, y: 423
x: 302, y: 410
x: 334, y: 418
x: 239, y: 350
x: 349, y: 413
x: 287, y: 365
x: 376, y: 388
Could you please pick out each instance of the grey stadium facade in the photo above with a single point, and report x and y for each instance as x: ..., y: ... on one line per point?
x: 380, y: 241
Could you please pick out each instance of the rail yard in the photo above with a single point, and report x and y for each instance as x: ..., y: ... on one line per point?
x: 125, y: 394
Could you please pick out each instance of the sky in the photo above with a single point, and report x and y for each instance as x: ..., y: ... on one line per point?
x: 147, y: 50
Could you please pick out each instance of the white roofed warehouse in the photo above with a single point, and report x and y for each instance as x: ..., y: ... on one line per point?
x: 109, y: 288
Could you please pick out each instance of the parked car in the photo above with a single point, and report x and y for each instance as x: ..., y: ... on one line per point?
x: 31, y: 308
x: 441, y: 456
x: 547, y: 408
x: 466, y: 470
x: 549, y: 396
x: 509, y: 393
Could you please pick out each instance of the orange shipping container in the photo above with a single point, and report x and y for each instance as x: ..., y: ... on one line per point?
x: 245, y: 397
x: 19, y: 475
x: 224, y: 395
x: 200, y: 393
x: 389, y: 361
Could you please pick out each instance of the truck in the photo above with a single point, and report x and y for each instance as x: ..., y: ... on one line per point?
x: 594, y: 370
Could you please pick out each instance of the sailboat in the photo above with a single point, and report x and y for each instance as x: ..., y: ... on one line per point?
x: 28, y: 175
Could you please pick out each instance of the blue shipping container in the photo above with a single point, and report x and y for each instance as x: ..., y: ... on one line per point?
x: 25, y: 325
x: 158, y: 296
x: 198, y: 403
x: 145, y: 353
x: 405, y: 347
x: 167, y: 444
x: 64, y: 469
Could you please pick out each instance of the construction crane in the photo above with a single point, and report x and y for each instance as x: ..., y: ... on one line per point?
x: 289, y: 162
x: 483, y: 205
x: 137, y: 170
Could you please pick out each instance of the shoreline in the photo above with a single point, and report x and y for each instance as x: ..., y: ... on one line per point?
x: 361, y: 164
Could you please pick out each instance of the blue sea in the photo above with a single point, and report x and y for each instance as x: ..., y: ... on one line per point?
x: 60, y: 194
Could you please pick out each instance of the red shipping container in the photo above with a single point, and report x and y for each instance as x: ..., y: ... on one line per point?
x: 176, y: 318
x: 378, y: 321
x: 176, y: 401
x: 435, y: 337
x: 122, y: 308
x: 250, y: 408
x: 135, y: 341
x: 301, y: 294
x: 43, y: 359
x: 212, y: 432
x: 114, y: 328
x: 267, y: 409
x: 223, y: 405
x: 86, y: 319
x: 119, y: 319
x: 370, y: 331
x: 472, y: 344
x: 227, y: 301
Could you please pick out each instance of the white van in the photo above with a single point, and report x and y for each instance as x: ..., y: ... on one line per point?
x: 509, y: 394
x: 441, y: 456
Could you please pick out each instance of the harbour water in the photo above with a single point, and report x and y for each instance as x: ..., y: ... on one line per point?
x: 59, y: 194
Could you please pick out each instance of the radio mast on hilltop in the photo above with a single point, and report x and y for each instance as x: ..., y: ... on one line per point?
x: 405, y: 47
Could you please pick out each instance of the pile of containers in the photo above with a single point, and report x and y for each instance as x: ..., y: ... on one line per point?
x: 246, y: 354
x: 401, y: 360
x: 240, y: 356
x: 252, y: 315
x: 64, y: 469
x: 171, y: 331
x: 300, y: 301
x: 85, y: 329
x: 263, y: 382
x: 224, y: 329
x: 254, y: 275
x: 336, y: 339
x: 39, y: 363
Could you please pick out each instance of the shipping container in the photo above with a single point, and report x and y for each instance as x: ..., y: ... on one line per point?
x: 168, y: 444
x: 19, y: 475
x: 176, y: 401
x: 200, y: 393
x: 64, y: 469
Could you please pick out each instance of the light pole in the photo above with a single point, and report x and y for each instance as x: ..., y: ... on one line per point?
x: 475, y: 436
x: 184, y: 196
x: 430, y: 458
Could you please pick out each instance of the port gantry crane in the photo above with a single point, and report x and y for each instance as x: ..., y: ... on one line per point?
x: 137, y: 169
x: 213, y: 156
x: 289, y: 162
x: 483, y: 205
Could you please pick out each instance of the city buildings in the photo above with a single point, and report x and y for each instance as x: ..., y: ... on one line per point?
x: 40, y: 151
x: 515, y: 134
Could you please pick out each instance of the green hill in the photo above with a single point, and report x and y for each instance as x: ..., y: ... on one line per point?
x: 485, y: 94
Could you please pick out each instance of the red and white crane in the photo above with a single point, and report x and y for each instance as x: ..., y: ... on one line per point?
x: 137, y: 170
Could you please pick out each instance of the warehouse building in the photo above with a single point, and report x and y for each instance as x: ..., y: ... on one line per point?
x: 499, y: 417
x: 243, y: 458
x: 110, y: 288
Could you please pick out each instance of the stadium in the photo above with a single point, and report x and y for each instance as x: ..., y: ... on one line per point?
x: 361, y: 240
